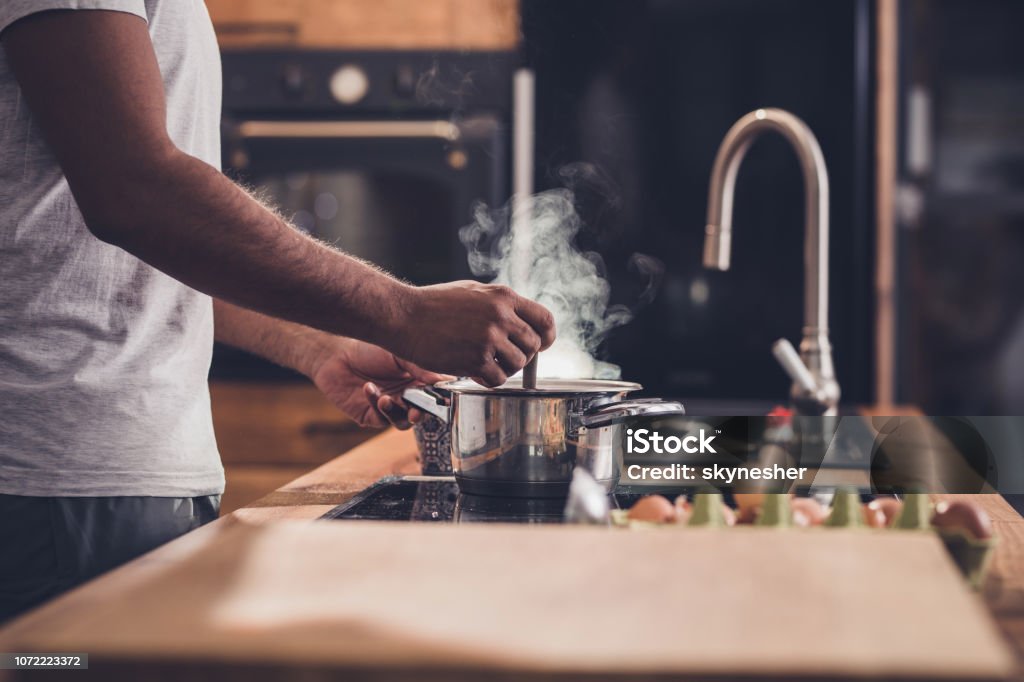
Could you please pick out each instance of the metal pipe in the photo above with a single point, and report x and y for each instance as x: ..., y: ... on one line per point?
x: 522, y: 208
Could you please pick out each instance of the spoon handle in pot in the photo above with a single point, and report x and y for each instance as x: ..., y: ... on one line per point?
x: 530, y: 373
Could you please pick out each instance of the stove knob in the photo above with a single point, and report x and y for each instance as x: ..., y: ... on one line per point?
x: 405, y: 81
x: 349, y: 84
x: 293, y: 81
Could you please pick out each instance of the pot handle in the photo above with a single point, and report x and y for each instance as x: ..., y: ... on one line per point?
x: 429, y: 399
x: 616, y: 413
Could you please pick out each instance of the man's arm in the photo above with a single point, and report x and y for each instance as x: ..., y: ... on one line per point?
x: 284, y: 343
x: 362, y: 380
x: 94, y: 87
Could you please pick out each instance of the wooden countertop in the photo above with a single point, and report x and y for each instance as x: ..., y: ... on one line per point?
x: 394, y: 452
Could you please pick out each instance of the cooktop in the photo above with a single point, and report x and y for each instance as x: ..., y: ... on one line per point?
x: 436, y: 499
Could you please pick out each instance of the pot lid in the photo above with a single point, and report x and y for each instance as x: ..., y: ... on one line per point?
x: 544, y: 386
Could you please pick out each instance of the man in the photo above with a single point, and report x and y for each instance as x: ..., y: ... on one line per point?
x: 124, y: 252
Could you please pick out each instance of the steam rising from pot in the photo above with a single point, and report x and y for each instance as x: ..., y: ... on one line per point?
x: 532, y: 248
x: 437, y: 86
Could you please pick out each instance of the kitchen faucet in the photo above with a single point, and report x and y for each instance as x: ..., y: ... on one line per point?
x: 815, y: 389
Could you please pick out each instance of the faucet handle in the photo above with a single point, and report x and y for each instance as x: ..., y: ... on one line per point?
x: 796, y: 369
x: 815, y: 392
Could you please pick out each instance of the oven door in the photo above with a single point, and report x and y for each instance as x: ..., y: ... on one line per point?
x: 393, y: 192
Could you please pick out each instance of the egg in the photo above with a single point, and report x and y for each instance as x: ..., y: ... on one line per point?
x: 873, y: 517
x: 807, y: 511
x: 654, y: 509
x: 683, y: 509
x: 965, y: 516
x: 748, y: 506
x: 888, y: 507
x: 748, y: 503
x: 747, y: 515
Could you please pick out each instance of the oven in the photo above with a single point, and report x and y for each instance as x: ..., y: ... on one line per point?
x: 381, y: 154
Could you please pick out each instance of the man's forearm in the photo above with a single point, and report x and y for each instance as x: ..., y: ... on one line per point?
x: 189, y: 220
x: 285, y: 343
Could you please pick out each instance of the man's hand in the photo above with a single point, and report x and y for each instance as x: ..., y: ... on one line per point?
x: 365, y: 382
x: 469, y: 329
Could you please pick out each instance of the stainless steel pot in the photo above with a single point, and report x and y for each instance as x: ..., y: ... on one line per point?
x: 519, y: 442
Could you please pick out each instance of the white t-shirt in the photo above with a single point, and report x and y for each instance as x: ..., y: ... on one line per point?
x: 103, y: 359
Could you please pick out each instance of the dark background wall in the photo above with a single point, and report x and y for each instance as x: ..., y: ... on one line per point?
x: 961, y: 312
x: 645, y: 90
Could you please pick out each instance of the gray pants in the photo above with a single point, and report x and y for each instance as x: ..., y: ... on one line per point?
x: 50, y: 544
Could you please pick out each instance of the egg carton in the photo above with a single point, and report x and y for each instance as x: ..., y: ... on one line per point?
x: 971, y: 554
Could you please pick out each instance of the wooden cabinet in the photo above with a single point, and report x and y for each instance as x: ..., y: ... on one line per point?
x: 368, y: 24
x: 271, y: 433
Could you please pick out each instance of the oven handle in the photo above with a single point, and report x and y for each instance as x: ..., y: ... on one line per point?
x: 443, y: 130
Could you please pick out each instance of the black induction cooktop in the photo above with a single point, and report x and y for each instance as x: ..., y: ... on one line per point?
x: 437, y: 499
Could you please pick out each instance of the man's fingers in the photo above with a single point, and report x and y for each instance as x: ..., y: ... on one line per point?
x: 388, y: 409
x: 385, y: 409
x: 539, y: 318
x: 492, y: 375
x: 510, y: 358
x: 372, y: 392
x: 374, y: 418
x: 526, y: 340
x: 395, y: 413
x: 422, y: 376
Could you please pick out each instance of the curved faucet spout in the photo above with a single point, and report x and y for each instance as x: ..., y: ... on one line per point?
x: 718, y: 243
x: 815, y: 348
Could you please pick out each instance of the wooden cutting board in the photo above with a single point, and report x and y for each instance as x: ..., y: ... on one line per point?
x: 381, y: 598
